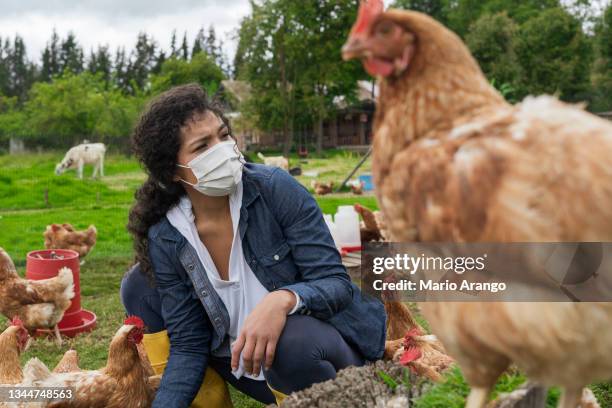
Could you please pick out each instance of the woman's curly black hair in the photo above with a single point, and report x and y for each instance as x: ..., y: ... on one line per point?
x: 156, y: 140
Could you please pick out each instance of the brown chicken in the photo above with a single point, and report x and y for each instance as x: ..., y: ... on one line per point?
x: 408, y: 344
x: 424, y: 354
x: 13, y: 342
x: 40, y: 304
x: 453, y: 161
x: 356, y: 187
x: 69, y: 363
x: 399, y: 322
x: 122, y: 383
x: 373, y: 227
x: 64, y: 236
x: 321, y: 188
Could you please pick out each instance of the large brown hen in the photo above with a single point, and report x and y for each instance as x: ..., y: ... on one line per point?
x: 40, y: 304
x: 453, y: 161
x: 64, y: 236
x: 123, y: 382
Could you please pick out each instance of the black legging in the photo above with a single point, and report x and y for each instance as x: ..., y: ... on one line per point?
x: 308, y: 351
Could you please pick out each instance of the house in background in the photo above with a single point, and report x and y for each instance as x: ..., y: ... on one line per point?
x: 349, y: 126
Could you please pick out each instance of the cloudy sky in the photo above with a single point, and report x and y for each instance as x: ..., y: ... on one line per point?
x: 117, y: 22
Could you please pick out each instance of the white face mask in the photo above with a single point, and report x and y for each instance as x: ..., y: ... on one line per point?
x: 218, y: 170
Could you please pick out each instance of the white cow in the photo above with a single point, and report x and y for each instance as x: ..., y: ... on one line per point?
x: 78, y: 156
x: 275, y: 161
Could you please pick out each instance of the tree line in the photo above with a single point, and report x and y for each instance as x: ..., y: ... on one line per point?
x: 289, y: 54
x: 69, y: 95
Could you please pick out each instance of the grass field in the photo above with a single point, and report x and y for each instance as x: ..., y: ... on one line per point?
x: 31, y: 197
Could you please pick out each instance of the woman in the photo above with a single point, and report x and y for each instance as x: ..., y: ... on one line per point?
x: 247, y: 277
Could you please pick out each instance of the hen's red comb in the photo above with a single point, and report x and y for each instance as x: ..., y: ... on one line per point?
x: 368, y: 10
x: 134, y: 321
x: 16, y: 321
x: 410, y: 355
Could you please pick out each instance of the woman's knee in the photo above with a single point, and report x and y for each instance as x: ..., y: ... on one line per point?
x: 306, y: 333
x: 308, y: 343
x: 141, y: 299
x: 302, y: 345
x: 132, y: 286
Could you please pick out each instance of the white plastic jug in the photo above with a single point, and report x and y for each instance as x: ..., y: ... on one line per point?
x: 333, y: 229
x: 347, y: 223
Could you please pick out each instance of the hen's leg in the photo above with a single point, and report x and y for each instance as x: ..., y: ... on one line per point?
x: 58, y: 336
x: 570, y: 398
x: 478, y: 397
x: 28, y: 344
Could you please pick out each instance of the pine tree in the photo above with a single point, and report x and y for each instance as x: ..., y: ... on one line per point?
x: 45, y: 71
x: 100, y: 63
x: 211, y: 44
x: 141, y: 63
x: 71, y: 55
x: 185, y: 48
x: 21, y: 70
x: 161, y: 58
x: 5, y: 71
x: 50, y: 58
x: 92, y: 61
x: 173, y: 51
x: 198, y: 42
x: 120, y: 77
x: 214, y: 47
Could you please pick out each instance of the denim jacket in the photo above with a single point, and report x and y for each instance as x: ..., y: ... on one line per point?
x: 288, y: 246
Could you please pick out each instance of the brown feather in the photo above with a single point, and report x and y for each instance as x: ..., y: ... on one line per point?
x: 10, y: 366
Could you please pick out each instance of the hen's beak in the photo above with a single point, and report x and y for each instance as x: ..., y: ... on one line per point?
x: 354, y: 48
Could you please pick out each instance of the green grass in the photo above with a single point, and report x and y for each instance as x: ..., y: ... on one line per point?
x: 453, y: 390
x: 335, y: 166
x: 332, y: 165
x: 24, y: 180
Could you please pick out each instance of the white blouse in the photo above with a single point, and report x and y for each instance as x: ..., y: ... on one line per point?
x: 243, y: 291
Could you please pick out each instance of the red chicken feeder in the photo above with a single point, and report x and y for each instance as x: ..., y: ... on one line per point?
x: 45, y: 264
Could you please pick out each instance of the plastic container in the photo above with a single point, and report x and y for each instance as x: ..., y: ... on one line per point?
x: 333, y: 229
x: 347, y: 224
x: 368, y: 185
x: 42, y: 265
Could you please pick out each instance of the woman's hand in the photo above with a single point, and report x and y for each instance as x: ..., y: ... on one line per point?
x: 261, y: 330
